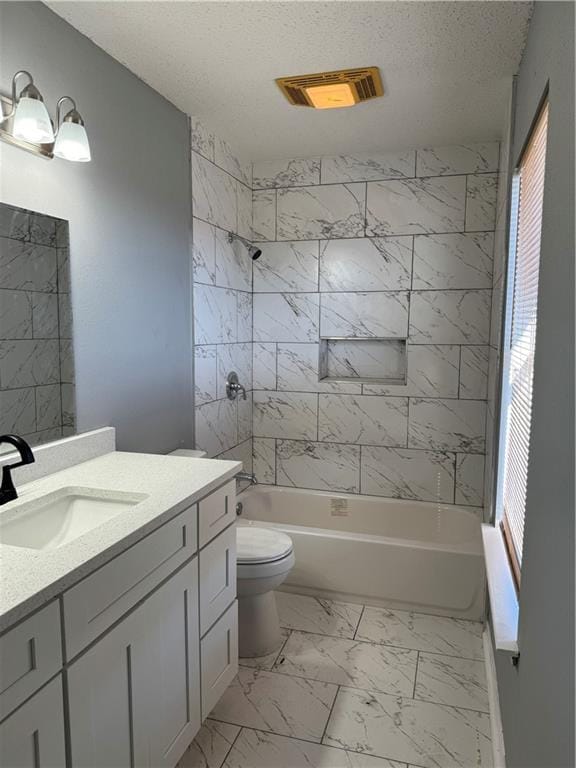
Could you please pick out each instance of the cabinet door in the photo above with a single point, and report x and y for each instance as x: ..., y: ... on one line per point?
x: 135, y: 695
x: 31, y: 653
x: 219, y: 651
x: 101, y: 700
x: 166, y: 678
x: 34, y: 734
x: 217, y: 578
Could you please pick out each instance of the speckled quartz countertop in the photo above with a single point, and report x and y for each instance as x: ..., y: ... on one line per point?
x: 30, y: 577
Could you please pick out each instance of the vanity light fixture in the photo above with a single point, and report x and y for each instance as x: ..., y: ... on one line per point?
x: 71, y: 138
x: 31, y: 119
x: 25, y: 122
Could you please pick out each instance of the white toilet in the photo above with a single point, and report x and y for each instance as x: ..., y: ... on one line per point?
x: 265, y: 557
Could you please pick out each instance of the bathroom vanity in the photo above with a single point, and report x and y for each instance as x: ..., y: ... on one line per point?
x: 116, y: 643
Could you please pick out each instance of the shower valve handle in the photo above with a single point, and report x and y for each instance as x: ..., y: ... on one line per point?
x: 233, y: 387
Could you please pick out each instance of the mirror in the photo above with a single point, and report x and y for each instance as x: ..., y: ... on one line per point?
x: 36, y: 356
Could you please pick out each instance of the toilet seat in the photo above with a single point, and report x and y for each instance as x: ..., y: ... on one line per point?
x: 269, y: 570
x: 257, y: 546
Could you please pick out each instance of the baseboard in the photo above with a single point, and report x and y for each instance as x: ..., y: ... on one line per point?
x: 498, y: 751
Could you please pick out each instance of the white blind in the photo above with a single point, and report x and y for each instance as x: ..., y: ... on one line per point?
x: 522, y: 339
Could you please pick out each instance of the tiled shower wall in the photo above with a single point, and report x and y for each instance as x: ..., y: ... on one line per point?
x: 222, y: 286
x: 395, y: 245
x: 36, y: 356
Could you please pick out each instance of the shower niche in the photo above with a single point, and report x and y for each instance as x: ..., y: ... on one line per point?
x: 363, y: 360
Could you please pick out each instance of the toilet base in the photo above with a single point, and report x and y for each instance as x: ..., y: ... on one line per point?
x: 258, y: 625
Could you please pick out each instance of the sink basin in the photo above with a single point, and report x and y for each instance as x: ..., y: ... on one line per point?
x: 50, y: 521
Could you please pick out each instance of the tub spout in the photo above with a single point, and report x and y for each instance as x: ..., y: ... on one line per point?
x: 248, y: 477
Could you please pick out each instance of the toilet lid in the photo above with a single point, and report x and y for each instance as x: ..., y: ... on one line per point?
x: 261, y: 545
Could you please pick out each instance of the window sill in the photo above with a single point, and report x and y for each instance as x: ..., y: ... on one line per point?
x: 502, y: 592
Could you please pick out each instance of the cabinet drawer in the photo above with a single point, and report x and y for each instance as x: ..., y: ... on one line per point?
x: 103, y: 597
x: 34, y: 735
x: 216, y: 512
x: 217, y: 578
x: 219, y: 655
x: 31, y: 653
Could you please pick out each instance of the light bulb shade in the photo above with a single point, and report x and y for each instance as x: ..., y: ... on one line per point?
x: 72, y: 143
x: 32, y: 122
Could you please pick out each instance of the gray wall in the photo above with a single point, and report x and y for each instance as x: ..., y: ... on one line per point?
x: 129, y: 214
x: 537, y: 698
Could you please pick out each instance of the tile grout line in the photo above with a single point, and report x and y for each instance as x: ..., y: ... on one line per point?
x: 322, y: 742
x: 349, y: 394
x: 330, y: 714
x: 346, y: 182
x: 474, y: 508
x: 337, y: 292
x: 226, y: 756
x: 377, y: 691
x: 309, y: 741
x: 276, y: 291
x: 416, y: 675
x: 262, y: 730
x: 348, y: 686
x: 282, y: 646
x: 354, y: 636
x: 386, y: 645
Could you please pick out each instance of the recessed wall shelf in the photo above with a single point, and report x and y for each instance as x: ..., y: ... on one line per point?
x: 364, y: 360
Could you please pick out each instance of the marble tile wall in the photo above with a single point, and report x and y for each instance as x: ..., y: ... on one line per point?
x: 222, y: 295
x: 36, y: 362
x: 397, y: 245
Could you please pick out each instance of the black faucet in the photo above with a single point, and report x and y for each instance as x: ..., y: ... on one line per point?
x: 7, y: 490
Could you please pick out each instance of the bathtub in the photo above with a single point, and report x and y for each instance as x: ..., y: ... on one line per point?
x: 409, y: 555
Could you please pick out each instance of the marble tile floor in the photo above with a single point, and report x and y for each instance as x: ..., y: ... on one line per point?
x: 354, y: 686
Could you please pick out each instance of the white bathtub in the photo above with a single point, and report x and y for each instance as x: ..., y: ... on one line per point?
x: 399, y: 554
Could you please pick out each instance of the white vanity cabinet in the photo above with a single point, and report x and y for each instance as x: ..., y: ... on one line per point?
x: 134, y: 697
x: 137, y: 673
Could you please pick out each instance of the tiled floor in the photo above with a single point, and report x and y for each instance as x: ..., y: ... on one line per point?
x: 354, y: 687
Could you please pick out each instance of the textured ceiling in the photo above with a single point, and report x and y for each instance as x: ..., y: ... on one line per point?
x: 445, y: 66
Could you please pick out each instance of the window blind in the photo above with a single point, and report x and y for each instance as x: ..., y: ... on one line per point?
x: 522, y: 335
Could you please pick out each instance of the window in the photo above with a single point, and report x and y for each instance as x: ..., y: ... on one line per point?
x: 520, y: 336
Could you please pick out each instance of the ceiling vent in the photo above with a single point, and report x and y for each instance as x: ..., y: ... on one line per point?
x: 329, y: 90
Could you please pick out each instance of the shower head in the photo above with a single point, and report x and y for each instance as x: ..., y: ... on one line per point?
x: 253, y: 251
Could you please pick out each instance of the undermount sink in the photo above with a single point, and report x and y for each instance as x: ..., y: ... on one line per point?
x: 50, y: 521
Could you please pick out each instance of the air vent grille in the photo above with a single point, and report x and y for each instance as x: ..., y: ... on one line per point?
x: 364, y: 84
x: 296, y: 96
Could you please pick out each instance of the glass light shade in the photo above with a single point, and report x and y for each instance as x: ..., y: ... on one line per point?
x: 72, y: 143
x: 331, y: 96
x: 32, y: 122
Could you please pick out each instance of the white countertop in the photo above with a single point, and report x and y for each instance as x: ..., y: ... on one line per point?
x: 30, y: 577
